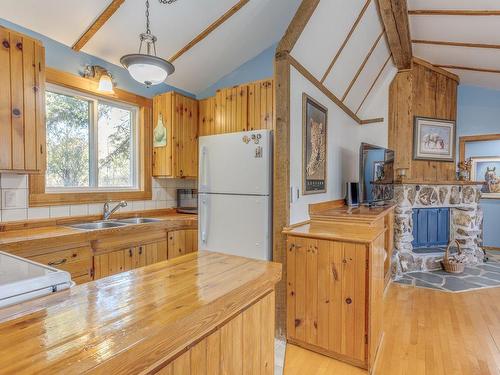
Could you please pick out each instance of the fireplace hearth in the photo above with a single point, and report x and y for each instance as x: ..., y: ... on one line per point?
x: 445, y: 213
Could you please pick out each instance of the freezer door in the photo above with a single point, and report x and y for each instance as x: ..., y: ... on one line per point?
x: 236, y: 163
x: 235, y: 224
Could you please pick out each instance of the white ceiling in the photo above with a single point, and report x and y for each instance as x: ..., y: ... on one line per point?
x: 333, y: 21
x: 256, y: 26
x: 462, y: 29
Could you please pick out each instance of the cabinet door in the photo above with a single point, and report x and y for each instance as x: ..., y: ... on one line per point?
x: 112, y: 263
x: 260, y: 105
x: 326, y: 295
x: 182, y: 242
x: 162, y: 156
x: 206, y: 117
x: 185, y: 136
x: 22, y: 119
x: 154, y: 252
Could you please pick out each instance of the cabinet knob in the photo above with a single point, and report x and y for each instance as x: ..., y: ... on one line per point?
x: 19, y: 46
x: 348, y: 301
x: 6, y: 44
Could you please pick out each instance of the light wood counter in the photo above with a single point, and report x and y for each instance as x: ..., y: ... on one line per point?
x: 334, y: 231
x: 146, y: 320
x: 354, y: 215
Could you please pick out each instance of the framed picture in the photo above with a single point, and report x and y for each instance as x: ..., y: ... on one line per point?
x: 378, y: 170
x: 433, y: 139
x: 487, y: 170
x: 314, y: 132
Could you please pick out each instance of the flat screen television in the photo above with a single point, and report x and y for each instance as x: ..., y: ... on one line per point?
x: 376, y: 174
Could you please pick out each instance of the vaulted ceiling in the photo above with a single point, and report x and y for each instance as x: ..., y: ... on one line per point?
x: 252, y: 27
x: 462, y: 36
x: 345, y: 48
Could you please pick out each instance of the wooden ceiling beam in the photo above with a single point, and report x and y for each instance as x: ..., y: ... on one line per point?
x: 240, y: 4
x: 394, y: 15
x: 97, y: 24
x: 296, y: 26
x: 453, y: 12
x: 473, y: 69
x: 456, y: 44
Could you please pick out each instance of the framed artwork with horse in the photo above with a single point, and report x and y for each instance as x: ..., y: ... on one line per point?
x: 487, y: 170
x: 433, y: 139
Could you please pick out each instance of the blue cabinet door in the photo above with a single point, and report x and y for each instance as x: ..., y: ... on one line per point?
x: 431, y: 227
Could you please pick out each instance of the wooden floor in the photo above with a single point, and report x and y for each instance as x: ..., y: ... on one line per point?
x: 426, y: 333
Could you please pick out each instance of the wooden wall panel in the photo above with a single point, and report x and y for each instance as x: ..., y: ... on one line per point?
x: 424, y: 92
x: 5, y: 114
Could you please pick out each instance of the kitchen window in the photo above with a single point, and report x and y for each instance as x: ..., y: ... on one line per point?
x: 92, y: 143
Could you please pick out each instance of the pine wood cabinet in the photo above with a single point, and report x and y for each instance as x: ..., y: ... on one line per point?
x: 334, y: 293
x: 179, y: 157
x: 22, y: 103
x: 241, y: 108
x: 182, y: 242
x: 129, y: 258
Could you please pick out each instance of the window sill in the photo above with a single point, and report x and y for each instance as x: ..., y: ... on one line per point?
x: 57, y: 199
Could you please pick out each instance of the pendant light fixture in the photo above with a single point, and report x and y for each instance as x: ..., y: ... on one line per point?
x: 147, y: 68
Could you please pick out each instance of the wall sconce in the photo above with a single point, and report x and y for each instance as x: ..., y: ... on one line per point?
x: 97, y: 72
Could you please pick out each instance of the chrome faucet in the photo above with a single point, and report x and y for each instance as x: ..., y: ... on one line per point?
x: 107, y: 212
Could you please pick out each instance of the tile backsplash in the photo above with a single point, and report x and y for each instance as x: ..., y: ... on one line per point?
x: 14, y: 200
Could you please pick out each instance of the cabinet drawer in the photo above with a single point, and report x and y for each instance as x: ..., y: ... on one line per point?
x: 77, y: 261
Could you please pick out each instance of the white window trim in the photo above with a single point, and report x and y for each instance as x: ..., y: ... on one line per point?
x: 135, y: 163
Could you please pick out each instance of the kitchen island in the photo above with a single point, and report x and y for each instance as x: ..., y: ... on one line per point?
x: 196, y: 314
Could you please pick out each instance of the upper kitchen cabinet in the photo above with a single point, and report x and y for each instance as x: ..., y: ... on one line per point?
x: 175, y: 133
x: 241, y: 108
x: 22, y: 103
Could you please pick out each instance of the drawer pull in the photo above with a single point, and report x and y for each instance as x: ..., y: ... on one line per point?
x: 130, y: 253
x: 57, y: 262
x: 348, y: 301
x: 6, y: 44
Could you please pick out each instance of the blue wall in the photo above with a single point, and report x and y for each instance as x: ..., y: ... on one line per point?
x: 62, y: 57
x: 260, y: 67
x: 479, y: 113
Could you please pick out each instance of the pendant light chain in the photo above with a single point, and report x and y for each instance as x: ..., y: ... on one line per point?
x: 148, y: 29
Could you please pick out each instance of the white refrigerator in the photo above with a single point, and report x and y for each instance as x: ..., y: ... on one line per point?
x: 234, y: 193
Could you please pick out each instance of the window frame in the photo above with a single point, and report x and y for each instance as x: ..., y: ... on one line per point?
x: 39, y: 197
x: 94, y: 139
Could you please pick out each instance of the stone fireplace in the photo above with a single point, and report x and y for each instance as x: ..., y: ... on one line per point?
x: 465, y: 223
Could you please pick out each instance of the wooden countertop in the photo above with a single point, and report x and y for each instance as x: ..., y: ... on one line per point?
x: 19, y: 239
x: 335, y: 231
x: 133, y: 322
x: 362, y: 214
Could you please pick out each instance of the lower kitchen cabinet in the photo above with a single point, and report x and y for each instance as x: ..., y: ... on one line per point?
x: 334, y: 297
x: 182, y: 242
x: 74, y: 258
x: 122, y: 260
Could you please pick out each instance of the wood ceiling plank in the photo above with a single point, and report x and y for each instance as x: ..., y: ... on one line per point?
x: 240, y: 4
x: 453, y: 12
x: 97, y: 24
x: 296, y: 26
x: 394, y: 15
x: 355, y: 24
x: 456, y: 44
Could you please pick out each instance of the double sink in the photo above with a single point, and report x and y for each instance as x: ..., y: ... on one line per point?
x: 113, y: 223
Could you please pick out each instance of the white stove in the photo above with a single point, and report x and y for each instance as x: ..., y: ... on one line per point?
x: 22, y: 279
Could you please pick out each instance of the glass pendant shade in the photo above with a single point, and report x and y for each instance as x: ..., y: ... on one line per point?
x: 147, y: 69
x: 105, y: 84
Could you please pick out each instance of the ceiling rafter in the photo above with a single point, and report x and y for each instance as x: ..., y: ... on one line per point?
x: 235, y: 8
x: 97, y: 24
x: 453, y: 12
x: 367, y: 57
x: 342, y: 46
x: 373, y: 84
x: 394, y: 16
x: 473, y: 69
x: 456, y: 44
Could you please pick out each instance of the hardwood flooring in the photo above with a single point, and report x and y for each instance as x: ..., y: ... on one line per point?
x: 427, y: 332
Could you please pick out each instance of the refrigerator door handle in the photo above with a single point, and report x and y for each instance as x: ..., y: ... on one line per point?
x: 203, y: 169
x: 204, y: 219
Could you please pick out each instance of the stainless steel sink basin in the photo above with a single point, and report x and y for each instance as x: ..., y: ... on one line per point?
x: 97, y: 225
x: 138, y: 220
